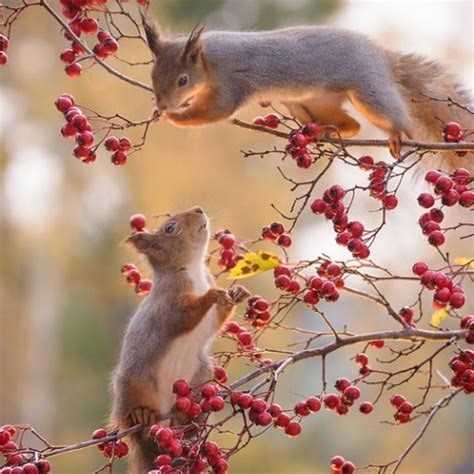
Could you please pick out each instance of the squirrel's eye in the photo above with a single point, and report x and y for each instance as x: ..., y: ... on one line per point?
x: 170, y: 227
x: 182, y: 81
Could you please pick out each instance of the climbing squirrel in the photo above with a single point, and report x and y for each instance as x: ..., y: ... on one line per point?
x: 168, y: 337
x: 206, y: 76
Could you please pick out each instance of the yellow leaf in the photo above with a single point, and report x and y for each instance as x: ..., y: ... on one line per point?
x: 464, y: 261
x: 254, y: 263
x: 438, y: 317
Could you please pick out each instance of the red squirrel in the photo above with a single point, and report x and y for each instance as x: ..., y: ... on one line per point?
x: 169, y: 336
x: 313, y: 71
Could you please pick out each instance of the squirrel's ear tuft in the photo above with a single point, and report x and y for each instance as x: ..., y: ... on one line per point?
x: 141, y: 241
x: 153, y: 35
x: 193, y: 49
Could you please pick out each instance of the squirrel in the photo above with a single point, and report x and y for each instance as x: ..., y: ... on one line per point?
x: 312, y: 70
x: 168, y: 337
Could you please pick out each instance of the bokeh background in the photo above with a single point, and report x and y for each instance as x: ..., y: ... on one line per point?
x: 63, y: 303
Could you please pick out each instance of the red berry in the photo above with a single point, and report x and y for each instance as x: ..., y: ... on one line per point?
x: 85, y: 139
x: 397, y: 400
x: 274, y: 410
x: 68, y: 56
x: 337, y: 461
x: 466, y: 199
x: 284, y: 240
x: 44, y: 466
x: 341, y: 384
x: 405, y: 408
x: 407, y: 313
x: 30, y: 468
x: 227, y: 240
x: 436, y: 238
x: 330, y: 401
x: 314, y: 404
x: 426, y: 200
x: 137, y: 222
x: 4, y: 42
x: 436, y: 215
x: 125, y: 144
x: 63, y: 103
x: 378, y: 344
x: 183, y: 404
x: 245, y: 338
x: 245, y: 400
x: 362, y: 359
x: 347, y: 468
x: 259, y: 405
x: 302, y: 409
x: 443, y: 184
x: 181, y: 388
x: 283, y: 420
x: 457, y: 300
x: 283, y: 282
x: 264, y: 419
x: 450, y: 198
x: 419, y: 268
x: 366, y: 408
x: 163, y: 460
x: 89, y: 26
x: 355, y: 228
x: 452, y: 132
x: 351, y: 393
x: 390, y: 201
x: 310, y: 130
x: 68, y: 131
x: 293, y: 429
x: 3, y: 58
x: 99, y: 433
x: 216, y: 403
x: 432, y: 176
x: 73, y: 70
x: 318, y: 206
x: 111, y: 45
x: 112, y: 144
x: 311, y: 297
x: 119, y: 158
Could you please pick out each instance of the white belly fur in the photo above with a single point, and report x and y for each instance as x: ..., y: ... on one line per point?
x: 182, y: 357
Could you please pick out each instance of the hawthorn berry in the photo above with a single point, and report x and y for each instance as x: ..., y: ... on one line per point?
x: 293, y: 429
x: 366, y: 408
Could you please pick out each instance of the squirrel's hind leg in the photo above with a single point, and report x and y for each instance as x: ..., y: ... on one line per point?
x: 325, y: 109
x: 387, y: 111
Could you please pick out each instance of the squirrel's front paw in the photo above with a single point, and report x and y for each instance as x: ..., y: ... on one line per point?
x: 238, y: 294
x: 222, y: 297
x: 144, y: 416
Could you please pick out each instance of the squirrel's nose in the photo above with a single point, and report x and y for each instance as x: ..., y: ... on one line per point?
x: 198, y: 210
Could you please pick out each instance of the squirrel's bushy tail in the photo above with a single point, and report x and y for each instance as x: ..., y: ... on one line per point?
x: 143, y: 452
x: 434, y: 97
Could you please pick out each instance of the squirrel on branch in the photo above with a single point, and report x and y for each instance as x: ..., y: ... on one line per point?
x: 312, y: 70
x: 168, y: 337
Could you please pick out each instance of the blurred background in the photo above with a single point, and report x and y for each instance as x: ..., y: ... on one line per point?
x: 63, y: 302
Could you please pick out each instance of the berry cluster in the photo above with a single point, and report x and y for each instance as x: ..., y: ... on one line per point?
x: 174, y: 446
x: 275, y: 232
x: 446, y: 292
x: 9, y: 449
x: 378, y: 181
x: 462, y: 364
x: 257, y: 311
x: 110, y: 449
x: 467, y: 322
x: 349, y: 234
x: 119, y: 148
x: 134, y: 278
x: 363, y: 360
x: 404, y: 408
x: 348, y: 395
x: 270, y: 121
x: 340, y: 466
x: 77, y: 125
x: 3, y: 49
x: 243, y: 337
x: 325, y: 285
x: 228, y: 257
x: 284, y: 280
x: 450, y: 190
x: 298, y: 141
